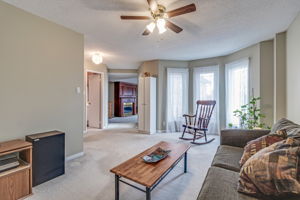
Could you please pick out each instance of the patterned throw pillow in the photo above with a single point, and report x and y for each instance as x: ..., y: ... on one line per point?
x: 256, y: 145
x: 292, y: 129
x: 273, y: 171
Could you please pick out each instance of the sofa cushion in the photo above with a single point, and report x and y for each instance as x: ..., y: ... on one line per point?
x: 228, y: 157
x: 292, y: 129
x: 221, y: 184
x: 256, y: 145
x: 272, y: 171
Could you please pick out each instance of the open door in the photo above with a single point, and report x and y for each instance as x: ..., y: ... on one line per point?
x: 94, y: 100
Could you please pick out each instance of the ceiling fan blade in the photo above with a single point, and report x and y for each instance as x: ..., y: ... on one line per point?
x: 152, y: 4
x: 183, y: 10
x: 173, y: 27
x: 135, y: 17
x: 146, y: 32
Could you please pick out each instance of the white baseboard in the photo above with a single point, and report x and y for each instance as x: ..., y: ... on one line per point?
x: 72, y: 157
x: 153, y: 132
x: 161, y: 131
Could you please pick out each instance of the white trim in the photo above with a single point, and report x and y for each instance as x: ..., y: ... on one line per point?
x: 152, y: 133
x: 161, y: 131
x: 74, y: 156
x: 233, y: 65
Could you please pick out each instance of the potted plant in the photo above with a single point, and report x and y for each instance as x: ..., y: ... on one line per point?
x: 250, y: 115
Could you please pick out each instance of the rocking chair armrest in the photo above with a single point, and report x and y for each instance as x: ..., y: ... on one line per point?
x: 240, y: 137
x: 188, y: 119
x: 189, y: 115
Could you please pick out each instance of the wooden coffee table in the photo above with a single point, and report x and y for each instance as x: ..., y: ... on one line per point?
x: 150, y: 175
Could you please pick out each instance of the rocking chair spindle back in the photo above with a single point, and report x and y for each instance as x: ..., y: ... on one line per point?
x: 206, y: 109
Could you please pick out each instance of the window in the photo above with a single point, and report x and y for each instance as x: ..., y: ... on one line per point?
x: 237, y: 89
x: 206, y: 87
x: 177, y: 97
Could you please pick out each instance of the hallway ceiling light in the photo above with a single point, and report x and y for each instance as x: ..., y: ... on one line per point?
x: 97, y: 58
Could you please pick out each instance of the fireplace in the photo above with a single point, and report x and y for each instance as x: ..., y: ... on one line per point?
x: 125, y: 99
x: 127, y: 109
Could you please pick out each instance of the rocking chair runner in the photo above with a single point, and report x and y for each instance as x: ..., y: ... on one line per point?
x: 197, y: 125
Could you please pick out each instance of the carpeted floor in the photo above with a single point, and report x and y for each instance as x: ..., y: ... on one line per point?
x: 129, y: 119
x: 88, y: 177
x: 123, y: 122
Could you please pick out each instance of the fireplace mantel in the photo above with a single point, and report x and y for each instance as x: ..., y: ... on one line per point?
x: 125, y: 93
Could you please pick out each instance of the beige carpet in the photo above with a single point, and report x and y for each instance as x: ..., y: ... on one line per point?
x: 88, y: 177
x: 123, y: 122
x: 129, y: 119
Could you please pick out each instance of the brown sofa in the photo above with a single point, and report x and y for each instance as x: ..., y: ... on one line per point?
x: 222, y: 178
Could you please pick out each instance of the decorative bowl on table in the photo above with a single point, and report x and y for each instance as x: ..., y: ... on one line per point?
x: 157, y: 155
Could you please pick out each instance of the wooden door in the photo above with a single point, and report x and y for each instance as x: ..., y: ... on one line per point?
x: 94, y: 100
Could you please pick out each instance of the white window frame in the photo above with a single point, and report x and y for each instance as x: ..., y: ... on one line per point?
x: 185, y: 72
x: 228, y: 66
x: 208, y: 69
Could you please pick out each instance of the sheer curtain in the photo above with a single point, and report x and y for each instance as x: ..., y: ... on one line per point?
x: 206, y: 87
x: 237, y: 89
x: 177, y: 97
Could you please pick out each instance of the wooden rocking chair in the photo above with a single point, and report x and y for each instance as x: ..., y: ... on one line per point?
x: 197, y: 125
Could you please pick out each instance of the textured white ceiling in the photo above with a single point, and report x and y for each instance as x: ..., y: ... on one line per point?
x: 219, y: 27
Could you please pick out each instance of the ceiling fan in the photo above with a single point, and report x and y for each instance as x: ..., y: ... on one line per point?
x: 160, y: 17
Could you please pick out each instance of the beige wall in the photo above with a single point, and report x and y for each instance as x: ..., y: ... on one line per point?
x: 149, y: 66
x: 280, y: 76
x: 267, y: 81
x: 293, y: 71
x: 41, y: 65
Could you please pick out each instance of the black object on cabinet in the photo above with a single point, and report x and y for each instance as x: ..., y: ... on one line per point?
x: 48, y: 156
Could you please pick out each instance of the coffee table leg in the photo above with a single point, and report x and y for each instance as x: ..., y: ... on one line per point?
x: 148, y: 193
x: 185, y: 162
x: 117, y: 187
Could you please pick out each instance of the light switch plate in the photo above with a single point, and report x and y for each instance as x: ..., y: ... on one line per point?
x: 78, y: 90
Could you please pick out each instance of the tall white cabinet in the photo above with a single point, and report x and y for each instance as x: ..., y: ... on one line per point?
x: 147, y: 104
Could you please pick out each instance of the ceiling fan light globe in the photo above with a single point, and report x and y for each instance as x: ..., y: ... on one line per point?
x: 151, y: 26
x: 161, y: 25
x: 162, y: 30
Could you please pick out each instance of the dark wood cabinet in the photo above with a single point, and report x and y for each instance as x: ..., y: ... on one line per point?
x: 125, y: 99
x: 48, y: 156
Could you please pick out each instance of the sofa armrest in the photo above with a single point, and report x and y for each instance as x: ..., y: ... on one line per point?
x: 240, y: 137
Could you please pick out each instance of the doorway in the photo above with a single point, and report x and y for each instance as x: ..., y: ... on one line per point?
x: 94, y: 101
x: 123, y: 101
